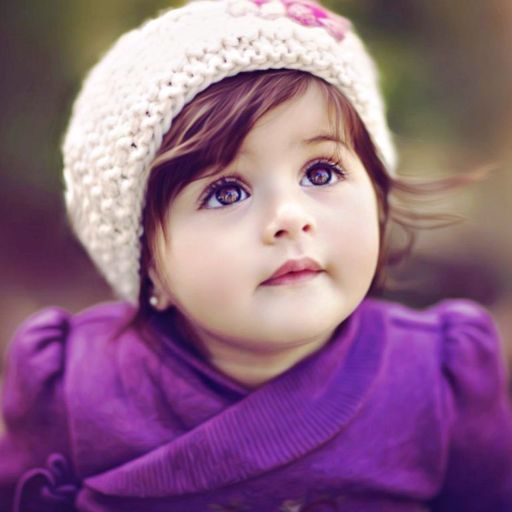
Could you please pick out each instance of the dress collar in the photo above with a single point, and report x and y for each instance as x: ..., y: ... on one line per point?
x: 269, y: 427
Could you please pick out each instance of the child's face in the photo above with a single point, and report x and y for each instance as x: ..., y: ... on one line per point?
x: 281, y: 199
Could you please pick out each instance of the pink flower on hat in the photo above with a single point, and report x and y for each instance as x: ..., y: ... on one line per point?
x: 311, y: 14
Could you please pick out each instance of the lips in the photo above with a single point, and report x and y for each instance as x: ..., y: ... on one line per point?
x: 294, y: 271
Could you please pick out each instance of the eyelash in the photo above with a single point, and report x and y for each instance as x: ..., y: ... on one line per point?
x: 237, y: 181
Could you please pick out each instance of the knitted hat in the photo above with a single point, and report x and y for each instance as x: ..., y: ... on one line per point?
x: 130, y: 98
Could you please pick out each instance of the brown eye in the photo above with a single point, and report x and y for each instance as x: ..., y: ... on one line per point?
x: 322, y: 173
x: 228, y: 195
x: 224, y: 192
x: 319, y: 176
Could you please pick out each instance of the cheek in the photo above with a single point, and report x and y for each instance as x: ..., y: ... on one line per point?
x: 202, y: 266
x: 354, y: 233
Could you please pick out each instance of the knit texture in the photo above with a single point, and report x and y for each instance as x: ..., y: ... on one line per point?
x: 130, y: 98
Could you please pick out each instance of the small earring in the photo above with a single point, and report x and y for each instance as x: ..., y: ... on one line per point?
x: 153, y: 300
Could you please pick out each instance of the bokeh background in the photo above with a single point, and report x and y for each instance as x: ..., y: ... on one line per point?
x: 446, y: 71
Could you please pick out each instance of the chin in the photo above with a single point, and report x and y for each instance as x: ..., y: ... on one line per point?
x: 298, y: 333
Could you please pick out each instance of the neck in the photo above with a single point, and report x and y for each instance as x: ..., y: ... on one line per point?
x: 249, y: 364
x: 254, y: 369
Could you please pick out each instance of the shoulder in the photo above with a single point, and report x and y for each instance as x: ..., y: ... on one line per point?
x: 445, y: 363
x: 453, y: 318
x: 108, y: 315
x: 48, y: 330
x: 55, y: 316
x: 457, y: 336
x: 34, y: 358
x: 38, y: 351
x: 43, y: 329
x: 472, y: 357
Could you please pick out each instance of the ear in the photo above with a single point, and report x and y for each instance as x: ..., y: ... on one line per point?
x: 159, y: 291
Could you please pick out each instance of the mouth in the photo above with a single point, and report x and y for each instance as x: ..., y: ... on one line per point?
x: 294, y: 271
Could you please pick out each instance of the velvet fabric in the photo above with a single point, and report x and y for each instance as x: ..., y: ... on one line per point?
x: 401, y: 410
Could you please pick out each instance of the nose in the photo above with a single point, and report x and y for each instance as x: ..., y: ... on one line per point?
x: 288, y: 220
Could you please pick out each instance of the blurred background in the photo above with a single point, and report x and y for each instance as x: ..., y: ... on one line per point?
x: 446, y: 71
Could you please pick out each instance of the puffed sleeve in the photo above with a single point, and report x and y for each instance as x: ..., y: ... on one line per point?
x: 479, y: 456
x: 34, y: 450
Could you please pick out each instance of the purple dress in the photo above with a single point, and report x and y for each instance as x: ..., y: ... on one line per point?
x: 400, y: 411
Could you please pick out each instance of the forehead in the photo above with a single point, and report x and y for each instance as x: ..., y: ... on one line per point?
x: 300, y: 120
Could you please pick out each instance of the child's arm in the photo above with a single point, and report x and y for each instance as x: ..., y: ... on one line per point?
x: 34, y: 451
x: 479, y: 464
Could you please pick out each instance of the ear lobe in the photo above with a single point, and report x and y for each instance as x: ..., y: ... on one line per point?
x: 163, y: 298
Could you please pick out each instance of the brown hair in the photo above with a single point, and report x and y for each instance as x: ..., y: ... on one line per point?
x: 209, y: 131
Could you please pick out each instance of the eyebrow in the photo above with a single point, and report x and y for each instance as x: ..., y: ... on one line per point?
x: 324, y: 137
x: 317, y: 139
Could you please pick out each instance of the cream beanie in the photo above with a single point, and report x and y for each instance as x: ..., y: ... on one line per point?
x: 130, y: 98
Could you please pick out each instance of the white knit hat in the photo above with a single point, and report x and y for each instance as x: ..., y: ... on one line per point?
x: 129, y: 99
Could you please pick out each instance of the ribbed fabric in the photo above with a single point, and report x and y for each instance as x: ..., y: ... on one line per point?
x: 400, y: 411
